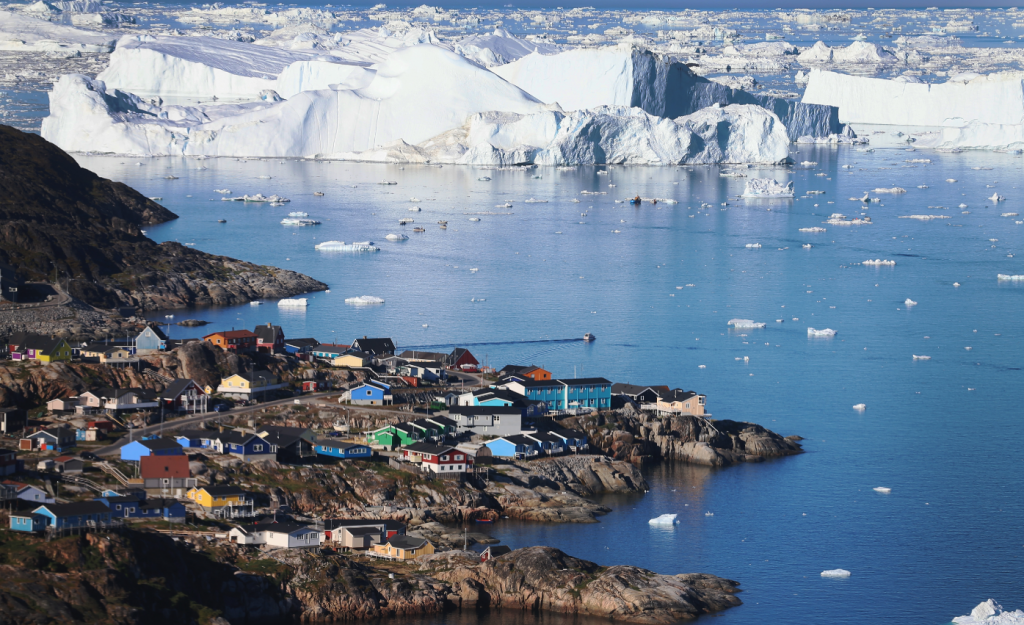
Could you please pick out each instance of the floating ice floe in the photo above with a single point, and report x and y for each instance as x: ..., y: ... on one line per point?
x: 753, y: 245
x: 745, y: 324
x: 397, y: 237
x: 1008, y: 214
x: 882, y: 489
x: 807, y: 246
x: 415, y: 209
x: 535, y: 201
x: 341, y: 246
x: 997, y: 198
x: 814, y: 229
x: 223, y: 191
x: 835, y: 573
x: 259, y: 197
x: 925, y: 217
x: 991, y: 613
x: 1009, y: 278
x: 909, y: 302
x: 665, y: 519
x: 293, y: 302
x: 893, y: 190
x: 821, y: 333
x: 364, y: 300
x: 878, y: 262
x: 860, y: 407
x: 768, y: 188
x: 916, y: 357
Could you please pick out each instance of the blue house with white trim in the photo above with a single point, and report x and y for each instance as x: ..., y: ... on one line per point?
x: 152, y: 339
x: 195, y: 439
x: 371, y: 393
x: 564, y: 394
x: 244, y: 445
x: 135, y: 450
x: 30, y: 522
x: 513, y: 446
x: 337, y: 449
x: 131, y: 507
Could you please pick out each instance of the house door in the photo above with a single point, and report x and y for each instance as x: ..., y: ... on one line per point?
x: 126, y: 513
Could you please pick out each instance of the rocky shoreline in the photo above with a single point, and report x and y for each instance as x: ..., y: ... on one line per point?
x: 134, y: 577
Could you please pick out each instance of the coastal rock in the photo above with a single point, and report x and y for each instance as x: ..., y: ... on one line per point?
x: 637, y: 437
x: 53, y: 210
x: 543, y: 578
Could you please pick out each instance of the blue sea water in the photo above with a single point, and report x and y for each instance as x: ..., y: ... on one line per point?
x: 945, y: 434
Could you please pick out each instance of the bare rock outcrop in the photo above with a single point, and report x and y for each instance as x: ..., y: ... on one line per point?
x: 543, y: 578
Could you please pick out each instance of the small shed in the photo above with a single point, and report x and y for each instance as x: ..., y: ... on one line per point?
x: 69, y: 465
x: 494, y: 551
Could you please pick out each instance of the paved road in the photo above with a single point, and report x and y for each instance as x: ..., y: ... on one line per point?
x: 204, y: 416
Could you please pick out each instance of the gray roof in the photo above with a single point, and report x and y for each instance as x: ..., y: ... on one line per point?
x: 406, y: 542
x: 175, y: 388
x: 76, y: 509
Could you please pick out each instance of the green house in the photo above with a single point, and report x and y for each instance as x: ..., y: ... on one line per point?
x: 393, y: 436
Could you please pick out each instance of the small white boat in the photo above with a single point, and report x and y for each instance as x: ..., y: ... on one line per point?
x: 292, y: 221
x: 341, y: 246
x: 387, y: 182
x: 318, y: 193
x: 255, y: 303
x: 588, y: 337
x: 474, y: 219
x: 405, y: 220
x: 295, y: 302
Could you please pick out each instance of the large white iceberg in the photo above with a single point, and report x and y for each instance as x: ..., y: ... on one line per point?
x: 665, y: 519
x: 993, y: 99
x: 827, y: 332
x: 991, y: 613
x: 745, y: 324
x: 859, y: 52
x: 22, y: 33
x: 768, y: 188
x: 586, y: 78
x: 417, y: 93
x: 836, y: 573
x: 500, y: 47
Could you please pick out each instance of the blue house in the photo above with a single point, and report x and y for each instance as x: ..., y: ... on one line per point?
x: 66, y: 516
x: 336, y: 449
x: 513, y: 446
x: 152, y: 339
x: 371, y: 393
x: 575, y: 440
x: 131, y: 507
x: 564, y: 394
x: 300, y: 347
x: 135, y: 450
x: 195, y: 439
x: 244, y: 445
x: 28, y: 522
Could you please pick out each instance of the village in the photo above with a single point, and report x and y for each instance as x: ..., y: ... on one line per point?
x: 155, y: 457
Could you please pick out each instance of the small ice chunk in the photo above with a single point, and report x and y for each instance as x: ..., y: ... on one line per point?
x: 821, y: 333
x: 879, y: 262
x: 894, y: 190
x: 814, y: 229
x: 753, y: 246
x: 665, y: 519
x: 860, y: 407
x: 997, y: 198
x: 882, y: 489
x: 916, y: 357
x: 767, y: 188
x: 909, y: 302
x: 991, y: 613
x: 837, y: 573
x: 364, y: 300
x: 745, y: 324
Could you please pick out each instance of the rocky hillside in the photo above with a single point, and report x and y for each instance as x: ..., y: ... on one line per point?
x: 58, y: 221
x: 141, y: 578
x: 638, y: 437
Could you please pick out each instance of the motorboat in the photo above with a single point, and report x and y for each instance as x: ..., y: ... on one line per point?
x: 588, y: 337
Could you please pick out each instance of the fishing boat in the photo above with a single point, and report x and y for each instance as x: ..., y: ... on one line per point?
x: 484, y: 521
x: 406, y: 220
x: 341, y: 246
x: 588, y: 337
x: 292, y: 221
x: 418, y: 229
x: 318, y: 193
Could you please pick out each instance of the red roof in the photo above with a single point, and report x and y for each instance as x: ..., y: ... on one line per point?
x: 163, y: 466
x: 63, y: 458
x: 233, y: 334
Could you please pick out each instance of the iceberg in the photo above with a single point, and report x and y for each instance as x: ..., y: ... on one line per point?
x: 22, y: 33
x: 909, y: 302
x: 665, y: 519
x: 397, y: 237
x: 745, y: 324
x: 860, y: 407
x: 814, y: 229
x: 882, y: 489
x: 364, y: 300
x: 821, y: 333
x: 991, y: 613
x: 500, y: 47
x: 767, y: 188
x: 858, y: 52
x: 916, y: 357
x: 894, y: 190
x: 294, y: 302
x: 587, y: 78
x: 1002, y: 277
x: 341, y: 246
x: 837, y: 573
x: 996, y: 99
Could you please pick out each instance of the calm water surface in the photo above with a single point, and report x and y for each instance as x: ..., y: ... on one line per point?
x: 944, y: 434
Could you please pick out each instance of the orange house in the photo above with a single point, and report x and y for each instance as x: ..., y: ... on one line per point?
x: 234, y: 340
x: 537, y: 374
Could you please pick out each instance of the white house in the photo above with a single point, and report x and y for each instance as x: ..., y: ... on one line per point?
x: 279, y: 535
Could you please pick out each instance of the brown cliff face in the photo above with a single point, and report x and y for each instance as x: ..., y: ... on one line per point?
x: 59, y: 221
x: 543, y: 578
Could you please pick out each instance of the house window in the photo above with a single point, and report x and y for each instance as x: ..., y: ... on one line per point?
x: 257, y: 447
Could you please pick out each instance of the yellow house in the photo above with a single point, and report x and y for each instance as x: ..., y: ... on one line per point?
x: 351, y: 360
x: 216, y: 497
x: 245, y: 385
x: 115, y: 352
x: 45, y: 349
x: 404, y: 548
x: 678, y: 401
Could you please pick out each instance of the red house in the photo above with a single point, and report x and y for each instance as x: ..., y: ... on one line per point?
x: 269, y: 338
x: 460, y: 358
x: 441, y: 460
x: 233, y: 340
